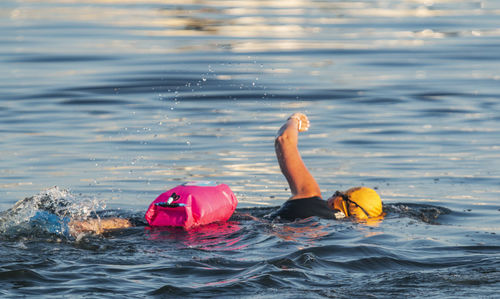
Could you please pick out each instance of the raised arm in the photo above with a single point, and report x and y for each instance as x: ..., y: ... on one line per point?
x: 302, y: 183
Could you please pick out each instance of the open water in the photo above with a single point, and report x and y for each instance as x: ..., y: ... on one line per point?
x: 119, y: 100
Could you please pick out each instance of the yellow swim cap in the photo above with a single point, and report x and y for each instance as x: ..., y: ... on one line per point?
x: 361, y: 202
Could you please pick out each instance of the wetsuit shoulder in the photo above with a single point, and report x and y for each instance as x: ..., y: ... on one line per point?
x: 301, y: 208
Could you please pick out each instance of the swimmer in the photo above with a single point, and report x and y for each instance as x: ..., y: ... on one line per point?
x: 360, y: 203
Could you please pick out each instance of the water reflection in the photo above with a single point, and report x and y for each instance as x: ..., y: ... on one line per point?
x: 247, y: 26
x: 306, y: 231
x: 213, y: 237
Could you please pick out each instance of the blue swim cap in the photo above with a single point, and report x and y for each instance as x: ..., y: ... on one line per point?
x: 51, y: 223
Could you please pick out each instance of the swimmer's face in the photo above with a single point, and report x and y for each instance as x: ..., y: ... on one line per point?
x: 335, y: 202
x: 341, y: 202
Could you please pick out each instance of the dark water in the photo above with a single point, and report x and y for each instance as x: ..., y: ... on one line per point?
x: 120, y: 100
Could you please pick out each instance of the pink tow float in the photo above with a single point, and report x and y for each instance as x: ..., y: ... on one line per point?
x: 192, y: 204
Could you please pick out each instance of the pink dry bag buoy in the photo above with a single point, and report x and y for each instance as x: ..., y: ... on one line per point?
x: 192, y: 204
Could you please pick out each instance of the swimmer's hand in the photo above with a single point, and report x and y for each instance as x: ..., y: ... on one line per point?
x: 303, y: 123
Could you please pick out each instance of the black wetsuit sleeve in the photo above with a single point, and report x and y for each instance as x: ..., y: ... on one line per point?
x: 303, y: 208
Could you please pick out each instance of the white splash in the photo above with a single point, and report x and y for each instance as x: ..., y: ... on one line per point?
x: 60, y: 202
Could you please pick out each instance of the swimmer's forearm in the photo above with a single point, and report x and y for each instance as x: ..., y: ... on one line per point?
x: 286, y: 149
x: 114, y: 223
x: 97, y: 226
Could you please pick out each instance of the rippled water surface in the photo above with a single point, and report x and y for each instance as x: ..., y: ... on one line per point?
x: 118, y: 100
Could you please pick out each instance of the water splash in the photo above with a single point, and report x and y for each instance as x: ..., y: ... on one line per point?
x: 51, y: 206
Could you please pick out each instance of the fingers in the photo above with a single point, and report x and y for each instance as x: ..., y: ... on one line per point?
x: 304, y: 125
x: 302, y: 120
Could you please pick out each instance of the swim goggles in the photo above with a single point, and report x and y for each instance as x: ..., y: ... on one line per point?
x: 346, y: 201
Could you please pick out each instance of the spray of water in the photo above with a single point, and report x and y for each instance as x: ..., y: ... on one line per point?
x: 60, y: 204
